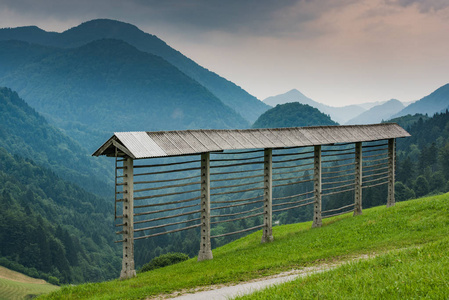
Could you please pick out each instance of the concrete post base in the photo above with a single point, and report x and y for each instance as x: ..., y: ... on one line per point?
x: 205, y: 255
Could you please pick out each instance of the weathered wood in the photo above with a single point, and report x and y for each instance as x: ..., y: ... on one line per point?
x: 317, y: 188
x: 205, y: 245
x: 267, y: 235
x: 128, y: 270
x: 239, y: 231
x: 358, y: 180
x: 391, y: 165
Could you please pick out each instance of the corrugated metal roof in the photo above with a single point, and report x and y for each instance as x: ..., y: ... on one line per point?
x: 143, y: 144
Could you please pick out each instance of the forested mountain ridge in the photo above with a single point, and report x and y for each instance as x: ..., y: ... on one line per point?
x: 292, y: 114
x: 436, y: 102
x: 108, y: 85
x: 422, y: 165
x: 50, y: 227
x: 232, y: 95
x: 26, y: 133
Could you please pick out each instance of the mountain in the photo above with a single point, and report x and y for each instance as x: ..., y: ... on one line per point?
x: 437, y: 101
x: 26, y: 133
x: 109, y: 85
x: 338, y: 114
x: 292, y: 115
x: 50, y: 226
x: 53, y: 229
x: 235, y: 97
x: 369, y: 105
x: 408, y: 120
x: 378, y: 113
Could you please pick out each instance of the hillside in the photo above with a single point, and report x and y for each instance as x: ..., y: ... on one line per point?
x: 108, y: 85
x: 14, y: 285
x: 409, y: 224
x: 378, y: 113
x: 437, y: 101
x: 292, y: 115
x: 26, y: 133
x: 230, y: 94
x: 339, y: 114
x: 52, y: 228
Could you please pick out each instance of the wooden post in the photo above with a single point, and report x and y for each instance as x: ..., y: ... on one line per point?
x: 358, y: 179
x: 268, y: 196
x: 205, y: 246
x: 391, y: 168
x: 317, y: 187
x: 128, y: 270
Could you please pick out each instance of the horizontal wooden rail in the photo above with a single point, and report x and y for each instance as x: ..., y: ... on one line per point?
x: 239, y: 231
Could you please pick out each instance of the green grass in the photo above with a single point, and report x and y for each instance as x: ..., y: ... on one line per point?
x: 406, y: 225
x: 414, y: 273
x: 23, y: 289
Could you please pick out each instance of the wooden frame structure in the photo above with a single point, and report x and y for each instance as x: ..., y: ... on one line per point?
x: 342, y: 159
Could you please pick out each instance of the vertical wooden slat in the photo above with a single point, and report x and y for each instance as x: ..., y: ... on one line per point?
x: 268, y: 196
x: 128, y: 270
x: 205, y: 246
x: 391, y: 169
x: 358, y: 179
x: 317, y: 188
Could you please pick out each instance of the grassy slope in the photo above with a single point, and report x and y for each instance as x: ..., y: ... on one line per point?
x: 14, y: 285
x: 379, y: 229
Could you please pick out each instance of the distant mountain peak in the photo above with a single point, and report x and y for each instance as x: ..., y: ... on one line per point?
x: 339, y: 114
x: 105, y: 25
x: 436, y: 102
x: 378, y: 113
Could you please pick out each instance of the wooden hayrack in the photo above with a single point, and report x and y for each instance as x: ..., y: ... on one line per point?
x: 215, y: 177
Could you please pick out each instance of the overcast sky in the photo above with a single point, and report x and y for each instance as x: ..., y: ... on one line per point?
x: 336, y: 52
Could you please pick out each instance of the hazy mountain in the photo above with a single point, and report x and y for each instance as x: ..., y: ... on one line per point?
x: 109, y: 85
x: 437, y: 101
x: 378, y: 113
x: 369, y: 105
x: 24, y: 132
x: 338, y: 114
x: 232, y: 95
x: 292, y: 114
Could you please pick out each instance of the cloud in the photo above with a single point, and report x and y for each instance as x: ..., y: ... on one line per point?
x: 425, y: 6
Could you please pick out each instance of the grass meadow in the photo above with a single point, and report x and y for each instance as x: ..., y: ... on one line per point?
x: 409, y: 240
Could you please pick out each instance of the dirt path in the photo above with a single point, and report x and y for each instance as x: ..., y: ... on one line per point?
x: 218, y: 292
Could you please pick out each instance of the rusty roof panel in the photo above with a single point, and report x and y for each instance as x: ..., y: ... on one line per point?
x: 173, y: 143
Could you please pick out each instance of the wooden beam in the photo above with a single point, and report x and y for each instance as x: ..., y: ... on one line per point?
x: 267, y: 235
x: 391, y: 169
x: 358, y: 179
x: 205, y: 246
x: 317, y: 222
x: 128, y: 270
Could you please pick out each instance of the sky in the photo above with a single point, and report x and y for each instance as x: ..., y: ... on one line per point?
x: 337, y: 52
